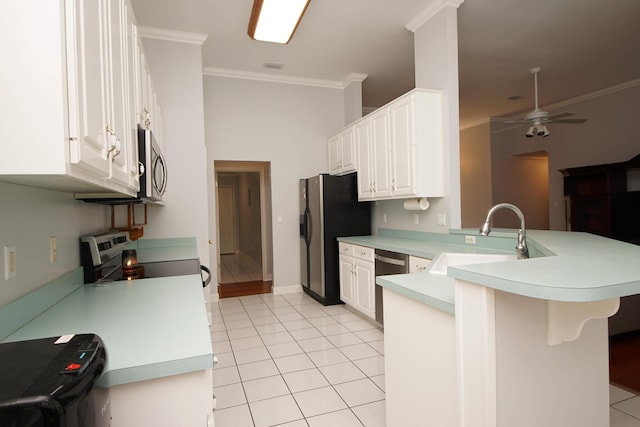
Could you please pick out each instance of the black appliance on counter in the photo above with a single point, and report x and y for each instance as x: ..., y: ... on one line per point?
x: 49, y: 382
x: 102, y: 258
x: 329, y: 208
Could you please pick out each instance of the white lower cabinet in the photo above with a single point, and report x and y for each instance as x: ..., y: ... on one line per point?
x: 357, y: 278
x: 176, y: 400
x: 418, y: 264
x: 347, y: 274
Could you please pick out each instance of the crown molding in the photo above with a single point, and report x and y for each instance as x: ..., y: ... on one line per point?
x: 354, y: 77
x: 429, y: 12
x: 476, y: 123
x: 592, y: 95
x: 274, y: 78
x: 172, y: 35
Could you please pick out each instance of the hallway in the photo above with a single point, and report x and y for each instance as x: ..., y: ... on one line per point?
x: 236, y: 268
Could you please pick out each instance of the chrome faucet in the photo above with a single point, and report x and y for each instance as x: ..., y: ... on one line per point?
x: 522, y: 251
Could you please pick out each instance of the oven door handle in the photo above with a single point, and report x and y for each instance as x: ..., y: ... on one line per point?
x: 205, y: 282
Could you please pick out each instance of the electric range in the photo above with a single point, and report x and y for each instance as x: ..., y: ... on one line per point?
x: 102, y: 257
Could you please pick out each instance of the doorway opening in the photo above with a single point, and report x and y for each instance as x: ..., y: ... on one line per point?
x: 244, y: 249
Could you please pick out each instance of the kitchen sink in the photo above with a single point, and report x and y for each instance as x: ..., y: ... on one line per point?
x: 446, y: 259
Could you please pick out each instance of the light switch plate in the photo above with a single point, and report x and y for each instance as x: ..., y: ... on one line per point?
x: 53, y: 249
x: 9, y: 262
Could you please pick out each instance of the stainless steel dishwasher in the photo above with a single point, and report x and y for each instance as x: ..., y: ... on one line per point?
x: 387, y: 263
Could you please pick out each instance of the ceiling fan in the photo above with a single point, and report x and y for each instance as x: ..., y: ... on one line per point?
x: 538, y: 118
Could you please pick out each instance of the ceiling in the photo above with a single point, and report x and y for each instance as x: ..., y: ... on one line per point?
x: 582, y: 46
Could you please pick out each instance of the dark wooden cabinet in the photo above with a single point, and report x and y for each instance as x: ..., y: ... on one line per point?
x: 598, y: 202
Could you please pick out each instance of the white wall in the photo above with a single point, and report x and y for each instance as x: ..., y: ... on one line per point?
x: 176, y: 69
x: 28, y: 217
x: 287, y: 125
x: 436, y: 58
x: 610, y: 135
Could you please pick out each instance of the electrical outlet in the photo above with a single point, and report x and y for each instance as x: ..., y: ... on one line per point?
x: 416, y: 219
x: 441, y: 219
x: 470, y: 239
x: 9, y: 262
x: 384, y: 218
x: 53, y: 249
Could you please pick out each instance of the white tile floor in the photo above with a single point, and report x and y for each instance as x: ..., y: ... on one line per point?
x: 288, y: 361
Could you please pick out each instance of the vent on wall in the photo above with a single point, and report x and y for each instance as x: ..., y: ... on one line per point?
x: 273, y: 65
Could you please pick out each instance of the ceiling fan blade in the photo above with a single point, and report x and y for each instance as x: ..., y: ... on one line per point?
x: 561, y: 115
x: 506, y: 129
x: 572, y: 121
x: 506, y: 120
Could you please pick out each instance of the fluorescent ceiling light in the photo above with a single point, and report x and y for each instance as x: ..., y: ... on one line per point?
x: 276, y: 20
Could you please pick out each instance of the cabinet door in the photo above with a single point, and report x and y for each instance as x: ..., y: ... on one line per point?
x: 365, y: 160
x: 380, y: 134
x: 334, y: 154
x: 119, y: 95
x: 131, y: 71
x: 86, y: 71
x: 347, y: 150
x: 365, y: 287
x: 346, y: 279
x: 418, y: 264
x: 402, y: 148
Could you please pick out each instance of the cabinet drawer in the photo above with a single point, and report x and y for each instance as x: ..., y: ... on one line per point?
x: 345, y: 248
x: 363, y: 252
x: 417, y: 264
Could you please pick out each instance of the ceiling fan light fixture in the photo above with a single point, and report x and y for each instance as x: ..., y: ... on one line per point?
x: 276, y: 20
x: 530, y: 132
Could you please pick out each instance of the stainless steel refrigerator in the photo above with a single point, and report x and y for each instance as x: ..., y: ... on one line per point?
x: 329, y: 208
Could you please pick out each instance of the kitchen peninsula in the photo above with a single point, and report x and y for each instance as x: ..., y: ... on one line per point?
x: 516, y: 342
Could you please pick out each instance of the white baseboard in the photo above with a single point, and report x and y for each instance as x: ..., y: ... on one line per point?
x: 292, y: 289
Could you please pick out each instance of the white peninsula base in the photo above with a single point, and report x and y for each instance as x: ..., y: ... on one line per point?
x: 490, y: 364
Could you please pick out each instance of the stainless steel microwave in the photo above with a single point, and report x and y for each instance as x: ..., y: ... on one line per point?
x: 153, y: 177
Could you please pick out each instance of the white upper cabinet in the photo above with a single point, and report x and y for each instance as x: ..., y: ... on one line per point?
x: 342, y: 152
x: 86, y: 75
x: 400, y: 148
x: 69, y: 95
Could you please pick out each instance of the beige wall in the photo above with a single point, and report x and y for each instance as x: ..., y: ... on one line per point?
x: 475, y: 174
x: 523, y: 181
x: 608, y: 136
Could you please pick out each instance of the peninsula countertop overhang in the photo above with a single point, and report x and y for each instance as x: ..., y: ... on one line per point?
x: 565, y: 266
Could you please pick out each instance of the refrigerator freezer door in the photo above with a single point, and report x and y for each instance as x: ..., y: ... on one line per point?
x: 304, y: 217
x: 316, y: 240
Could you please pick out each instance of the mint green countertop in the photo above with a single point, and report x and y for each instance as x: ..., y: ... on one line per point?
x: 151, y: 328
x: 575, y: 267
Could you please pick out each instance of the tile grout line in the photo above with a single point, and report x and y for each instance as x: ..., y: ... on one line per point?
x: 296, y: 306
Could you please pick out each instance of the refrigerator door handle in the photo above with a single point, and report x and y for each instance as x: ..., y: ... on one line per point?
x: 307, y: 226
